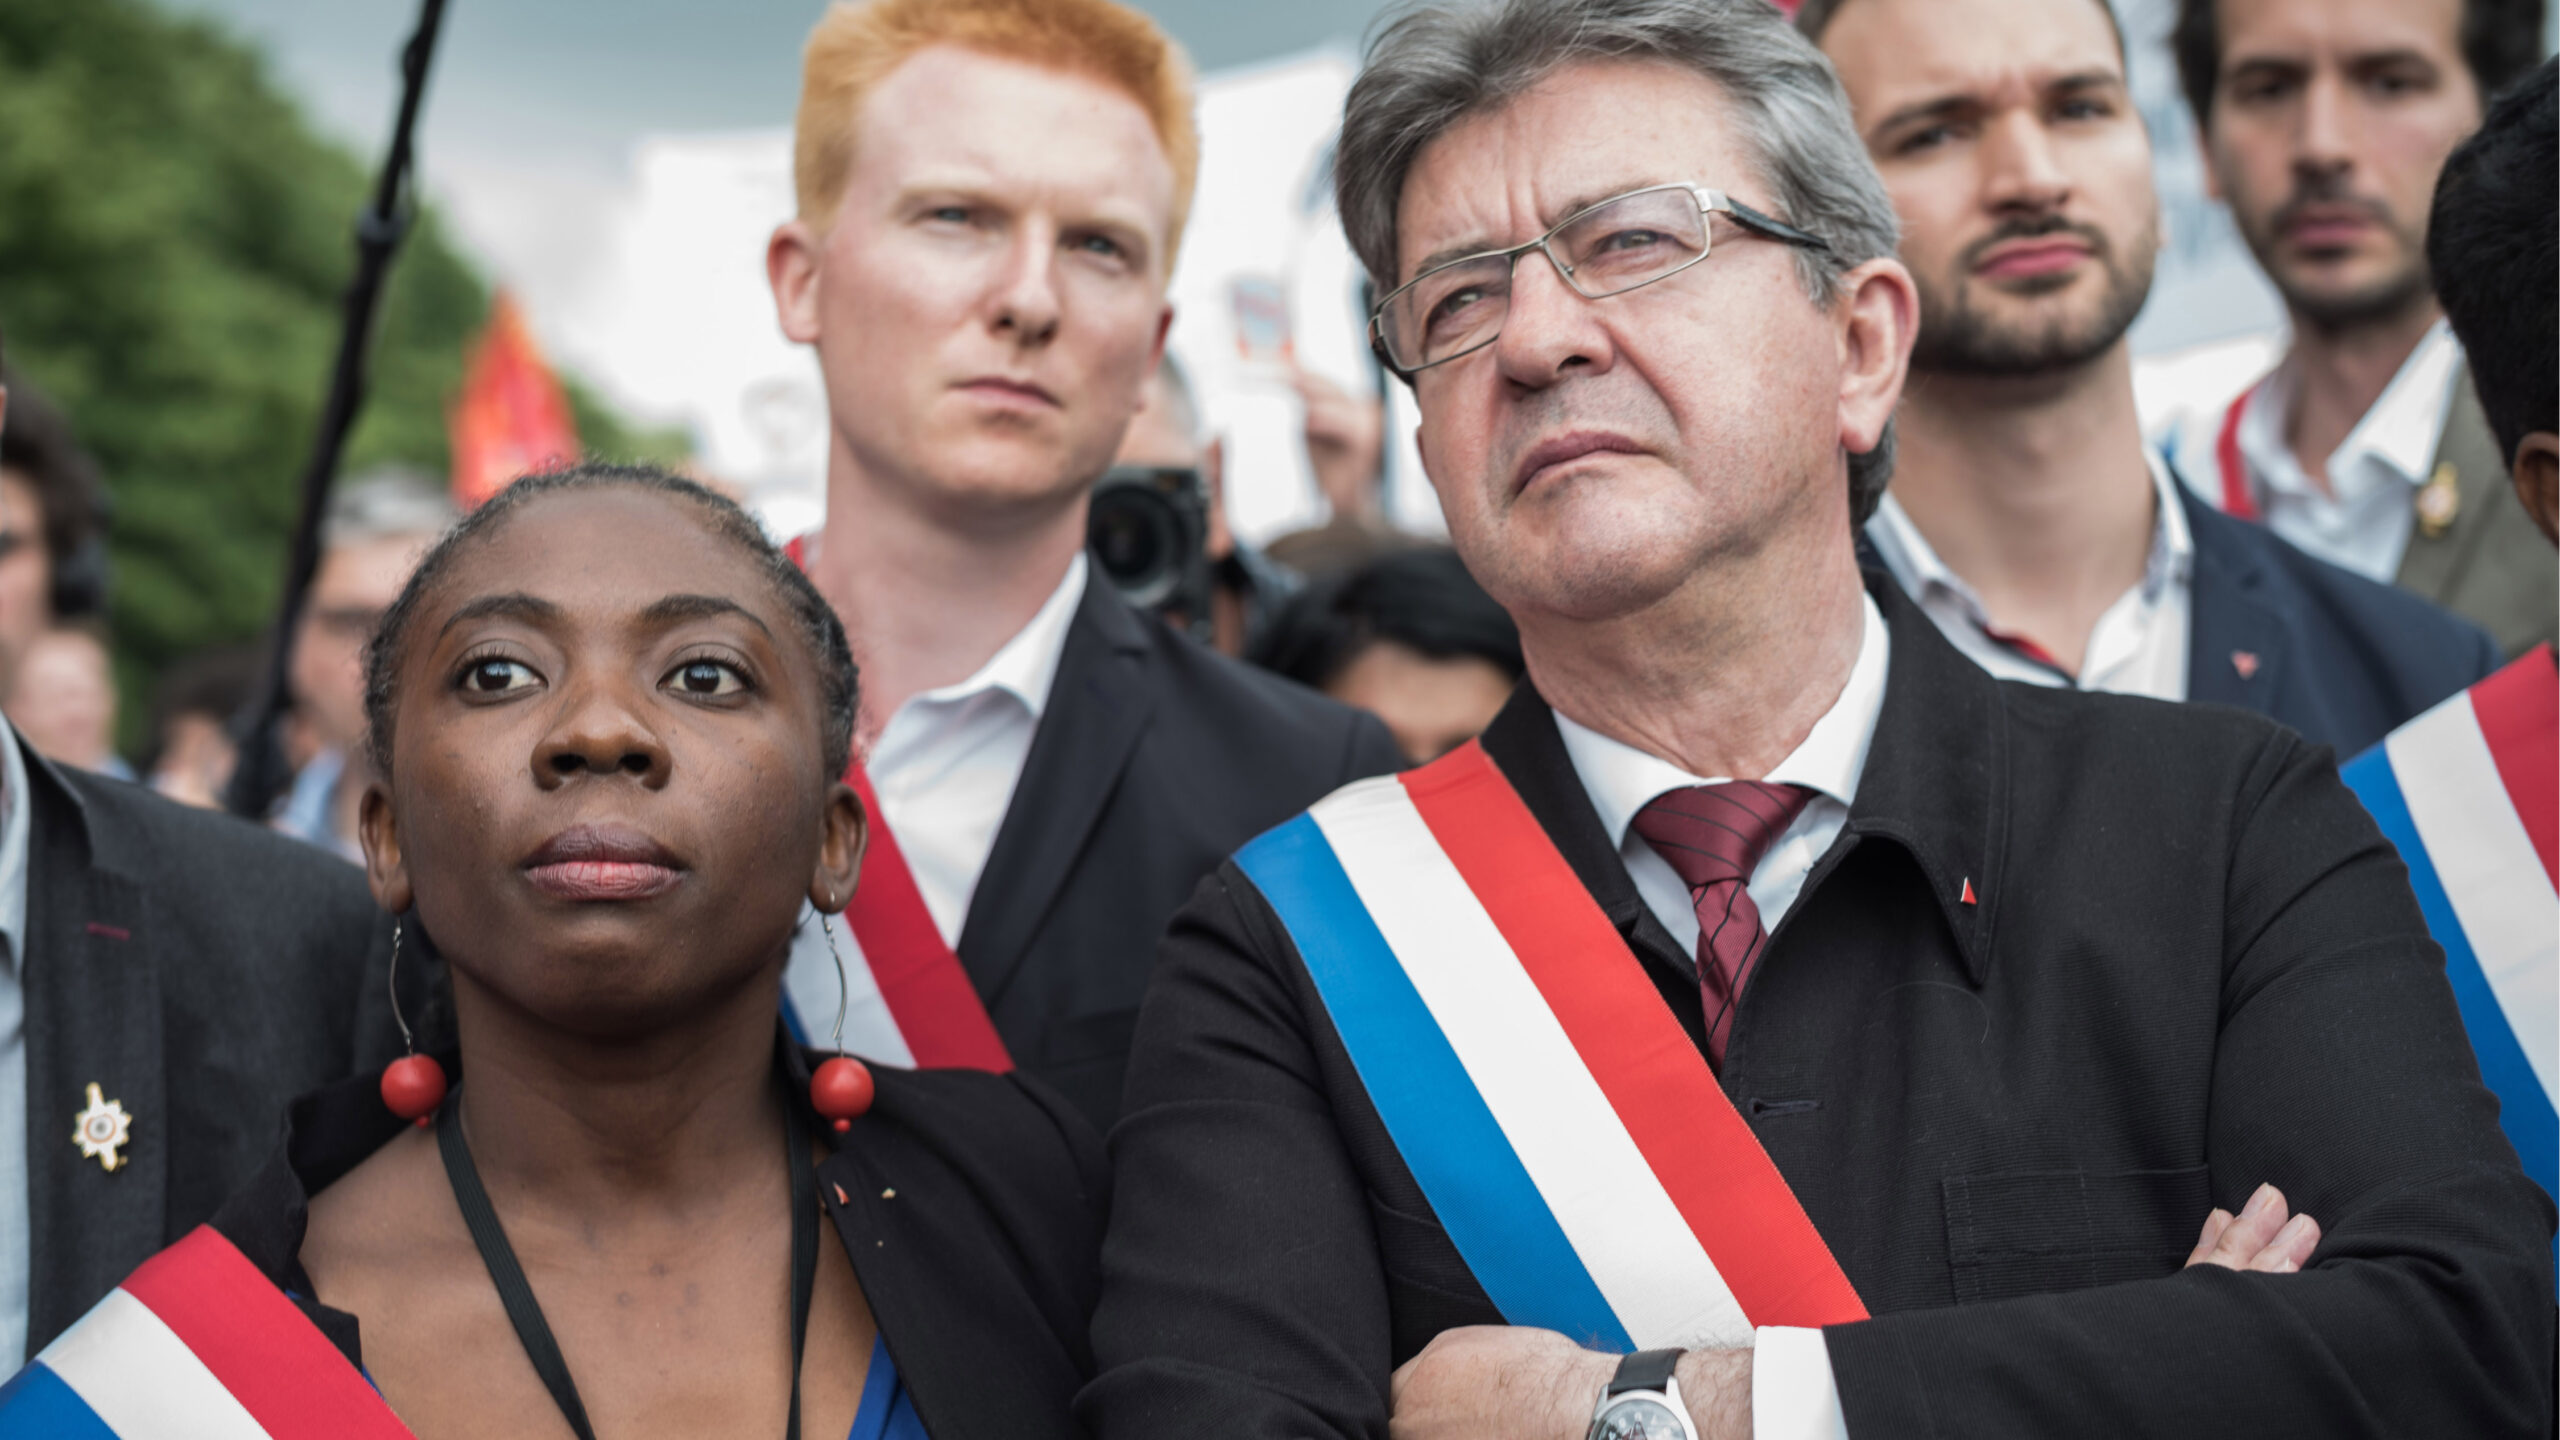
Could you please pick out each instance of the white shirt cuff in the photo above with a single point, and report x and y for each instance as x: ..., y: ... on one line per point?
x: 1792, y: 1393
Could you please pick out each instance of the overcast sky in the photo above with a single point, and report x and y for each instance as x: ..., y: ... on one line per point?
x: 581, y: 79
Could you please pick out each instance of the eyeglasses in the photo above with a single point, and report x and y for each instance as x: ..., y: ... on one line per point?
x: 1606, y: 249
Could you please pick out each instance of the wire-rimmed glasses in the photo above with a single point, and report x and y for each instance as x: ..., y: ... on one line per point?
x: 1607, y: 248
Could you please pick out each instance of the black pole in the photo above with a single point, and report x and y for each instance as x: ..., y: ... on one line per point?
x: 262, y: 773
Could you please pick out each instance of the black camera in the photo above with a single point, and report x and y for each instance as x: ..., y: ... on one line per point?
x: 1149, y: 533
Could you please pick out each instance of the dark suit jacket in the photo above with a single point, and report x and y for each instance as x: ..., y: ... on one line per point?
x: 2342, y: 659
x: 201, y: 970
x: 2195, y: 966
x: 970, y: 1204
x: 2491, y: 563
x: 1154, y: 760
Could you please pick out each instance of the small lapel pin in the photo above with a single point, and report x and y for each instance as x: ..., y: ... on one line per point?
x: 2439, y: 501
x: 1967, y: 897
x: 2246, y: 662
x: 102, y: 1130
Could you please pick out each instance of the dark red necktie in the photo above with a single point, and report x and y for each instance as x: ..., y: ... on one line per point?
x: 1714, y: 836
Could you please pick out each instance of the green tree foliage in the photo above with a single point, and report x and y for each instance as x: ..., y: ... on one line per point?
x: 174, y: 242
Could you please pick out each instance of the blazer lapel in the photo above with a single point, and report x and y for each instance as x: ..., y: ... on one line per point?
x: 2434, y: 565
x: 92, y: 987
x: 1098, y: 706
x: 2235, y: 640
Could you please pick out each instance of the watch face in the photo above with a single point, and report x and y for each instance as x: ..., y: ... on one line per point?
x: 1639, y: 1417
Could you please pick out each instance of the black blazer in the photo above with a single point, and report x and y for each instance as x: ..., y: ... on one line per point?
x: 202, y: 971
x: 2340, y: 658
x: 2195, y: 965
x: 970, y: 1204
x: 1155, y: 759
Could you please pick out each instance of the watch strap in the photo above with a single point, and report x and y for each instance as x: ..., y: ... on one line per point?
x: 1644, y: 1370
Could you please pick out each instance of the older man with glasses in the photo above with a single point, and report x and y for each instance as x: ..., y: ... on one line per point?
x: 1770, y: 976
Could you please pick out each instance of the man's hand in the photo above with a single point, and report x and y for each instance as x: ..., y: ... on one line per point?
x: 1345, y: 437
x: 1496, y: 1382
x: 2260, y: 1237
x: 1501, y: 1382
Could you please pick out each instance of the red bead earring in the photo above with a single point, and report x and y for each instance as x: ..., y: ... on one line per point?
x: 413, y: 1085
x: 841, y: 1087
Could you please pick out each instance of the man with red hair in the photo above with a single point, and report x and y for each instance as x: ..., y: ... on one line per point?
x: 991, y: 195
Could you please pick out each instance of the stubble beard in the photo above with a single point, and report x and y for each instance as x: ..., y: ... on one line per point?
x: 1961, y: 337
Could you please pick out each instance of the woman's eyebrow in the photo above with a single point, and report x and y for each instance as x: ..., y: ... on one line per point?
x: 676, y: 609
x: 514, y: 605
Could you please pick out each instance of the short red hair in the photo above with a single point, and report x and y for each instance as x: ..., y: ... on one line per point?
x: 858, y: 42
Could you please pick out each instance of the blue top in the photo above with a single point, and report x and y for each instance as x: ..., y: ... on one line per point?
x: 886, y: 1413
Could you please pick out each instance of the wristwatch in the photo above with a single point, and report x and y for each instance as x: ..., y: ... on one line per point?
x: 1642, y: 1401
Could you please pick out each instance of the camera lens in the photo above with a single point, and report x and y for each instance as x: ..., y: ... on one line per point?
x: 1133, y: 536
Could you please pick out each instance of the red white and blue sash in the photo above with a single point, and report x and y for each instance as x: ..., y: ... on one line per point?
x: 1568, y: 1134
x: 2470, y: 793
x: 195, y: 1345
x: 932, y: 1005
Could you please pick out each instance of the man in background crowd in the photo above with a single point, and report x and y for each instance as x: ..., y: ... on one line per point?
x: 64, y: 701
x: 377, y: 527
x: 2324, y: 123
x: 2027, y: 515
x: 1409, y: 637
x: 169, y: 980
x: 192, y: 750
x: 991, y: 193
x: 53, y: 565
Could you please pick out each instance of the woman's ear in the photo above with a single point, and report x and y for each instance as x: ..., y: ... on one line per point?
x: 385, y: 868
x: 848, y: 833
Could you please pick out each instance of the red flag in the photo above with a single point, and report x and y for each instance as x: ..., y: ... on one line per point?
x: 511, y: 417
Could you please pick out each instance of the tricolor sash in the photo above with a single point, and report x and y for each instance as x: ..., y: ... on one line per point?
x: 195, y: 1345
x: 930, y: 997
x: 933, y: 1009
x: 2470, y: 793
x: 1567, y: 1132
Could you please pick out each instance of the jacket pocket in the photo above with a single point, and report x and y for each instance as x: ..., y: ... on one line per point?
x: 2035, y: 1232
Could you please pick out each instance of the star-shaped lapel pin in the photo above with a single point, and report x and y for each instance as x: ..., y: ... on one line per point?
x: 102, y: 1130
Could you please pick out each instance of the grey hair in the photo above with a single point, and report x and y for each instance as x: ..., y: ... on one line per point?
x: 1435, y: 64
x: 391, y: 502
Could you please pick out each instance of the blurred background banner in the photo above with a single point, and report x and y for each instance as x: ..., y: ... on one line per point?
x: 512, y: 416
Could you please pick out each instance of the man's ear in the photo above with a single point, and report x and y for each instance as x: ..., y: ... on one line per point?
x: 1880, y: 317
x: 848, y: 834
x: 791, y: 268
x: 2537, y: 477
x: 4, y: 407
x: 2212, y: 176
x: 386, y: 869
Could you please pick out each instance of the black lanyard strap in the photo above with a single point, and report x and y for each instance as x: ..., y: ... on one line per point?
x: 516, y: 1293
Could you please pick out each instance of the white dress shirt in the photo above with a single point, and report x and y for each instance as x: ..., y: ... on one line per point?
x: 944, y: 769
x: 1793, y: 1396
x: 2138, y: 646
x: 2362, y: 521
x: 16, y: 1259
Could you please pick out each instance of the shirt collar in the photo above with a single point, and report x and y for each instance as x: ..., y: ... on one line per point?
x: 1027, y: 666
x: 16, y: 825
x: 1623, y: 780
x: 2402, y: 430
x: 1915, y: 564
